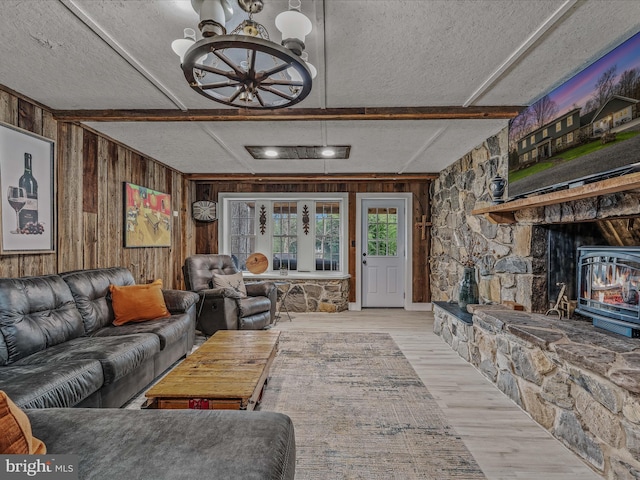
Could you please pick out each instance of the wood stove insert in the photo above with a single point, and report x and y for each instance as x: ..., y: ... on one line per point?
x: 608, y: 288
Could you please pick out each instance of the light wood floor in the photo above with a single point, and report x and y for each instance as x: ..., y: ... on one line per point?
x: 504, y: 440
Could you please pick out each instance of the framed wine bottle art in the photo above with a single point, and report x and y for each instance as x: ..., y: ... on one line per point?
x: 27, y: 185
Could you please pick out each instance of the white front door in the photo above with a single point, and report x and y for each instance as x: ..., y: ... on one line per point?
x: 383, y: 253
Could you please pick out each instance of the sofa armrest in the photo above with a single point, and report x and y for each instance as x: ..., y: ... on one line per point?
x: 265, y: 289
x: 260, y: 289
x: 179, y: 301
x: 220, y: 293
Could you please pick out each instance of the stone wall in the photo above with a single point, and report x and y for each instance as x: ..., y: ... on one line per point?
x: 510, y: 258
x: 581, y: 384
x: 320, y: 295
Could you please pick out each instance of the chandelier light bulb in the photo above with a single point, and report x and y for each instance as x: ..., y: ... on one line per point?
x: 181, y: 45
x: 293, y: 24
x: 294, y: 27
x: 295, y: 76
x: 209, y: 60
x: 312, y: 69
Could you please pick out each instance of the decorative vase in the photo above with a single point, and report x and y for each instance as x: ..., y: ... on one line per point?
x: 468, y: 293
x: 496, y: 189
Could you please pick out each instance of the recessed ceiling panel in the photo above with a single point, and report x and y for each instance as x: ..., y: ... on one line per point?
x: 187, y: 147
x: 425, y: 146
x: 376, y: 146
x: 458, y: 139
x: 586, y: 33
x: 415, y: 53
x: 54, y: 58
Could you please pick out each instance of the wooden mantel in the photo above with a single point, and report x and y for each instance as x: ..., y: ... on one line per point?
x: 505, y: 212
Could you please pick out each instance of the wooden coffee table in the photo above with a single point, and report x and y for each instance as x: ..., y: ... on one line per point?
x: 229, y: 371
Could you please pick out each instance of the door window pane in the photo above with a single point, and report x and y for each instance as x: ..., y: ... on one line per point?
x: 382, y: 232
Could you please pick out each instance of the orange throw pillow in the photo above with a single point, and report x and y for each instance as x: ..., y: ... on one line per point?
x: 16, y: 437
x: 138, y: 303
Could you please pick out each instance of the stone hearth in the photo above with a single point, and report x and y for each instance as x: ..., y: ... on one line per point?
x: 580, y: 383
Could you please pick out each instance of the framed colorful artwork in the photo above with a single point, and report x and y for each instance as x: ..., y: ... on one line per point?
x: 147, y: 217
x: 27, y: 184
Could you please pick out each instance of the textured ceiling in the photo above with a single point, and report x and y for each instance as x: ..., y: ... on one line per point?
x: 108, y: 54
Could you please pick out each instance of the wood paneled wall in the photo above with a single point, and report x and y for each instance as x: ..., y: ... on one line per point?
x: 207, y: 233
x: 91, y: 170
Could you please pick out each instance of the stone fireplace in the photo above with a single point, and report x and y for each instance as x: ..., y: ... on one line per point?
x: 579, y: 382
x: 523, y: 261
x: 605, y: 221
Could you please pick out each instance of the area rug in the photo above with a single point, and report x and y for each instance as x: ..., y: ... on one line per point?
x: 360, y: 411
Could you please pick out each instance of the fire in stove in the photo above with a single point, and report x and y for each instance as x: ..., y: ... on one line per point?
x: 613, y: 283
x: 608, y: 286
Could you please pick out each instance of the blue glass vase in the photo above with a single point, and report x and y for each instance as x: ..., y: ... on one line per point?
x: 468, y: 292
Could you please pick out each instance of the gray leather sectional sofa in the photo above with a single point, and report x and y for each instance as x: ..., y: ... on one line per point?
x: 58, y: 347
x: 170, y: 444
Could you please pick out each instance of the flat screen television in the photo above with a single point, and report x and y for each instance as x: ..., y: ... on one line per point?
x: 585, y: 130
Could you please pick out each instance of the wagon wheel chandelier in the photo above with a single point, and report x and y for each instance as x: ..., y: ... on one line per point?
x: 245, y: 68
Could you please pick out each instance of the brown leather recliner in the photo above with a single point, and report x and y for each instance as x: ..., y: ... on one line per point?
x: 224, y: 308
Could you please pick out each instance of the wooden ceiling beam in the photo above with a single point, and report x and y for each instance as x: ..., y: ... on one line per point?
x: 356, y: 177
x: 288, y: 114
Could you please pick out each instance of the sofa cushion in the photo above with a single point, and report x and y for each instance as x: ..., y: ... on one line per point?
x: 35, y: 313
x: 172, y: 444
x: 119, y: 355
x: 233, y: 281
x: 60, y: 384
x: 169, y: 330
x: 137, y: 303
x: 16, y: 438
x: 90, y: 289
x: 252, y: 305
